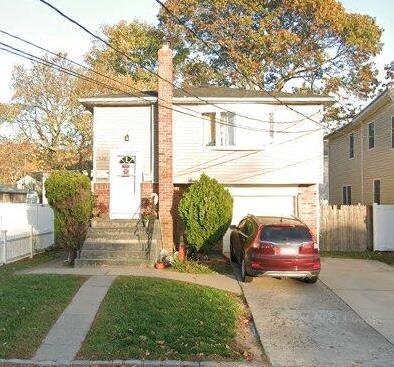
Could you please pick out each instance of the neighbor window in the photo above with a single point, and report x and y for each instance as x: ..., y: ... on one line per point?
x: 272, y: 125
x: 347, y: 195
x: 392, y: 131
x: 376, y: 191
x: 219, y: 128
x: 371, y: 135
x: 351, y: 145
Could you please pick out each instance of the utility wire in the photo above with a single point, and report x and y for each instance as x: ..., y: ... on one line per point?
x: 122, y: 83
x: 34, y: 58
x: 70, y: 19
x: 234, y: 67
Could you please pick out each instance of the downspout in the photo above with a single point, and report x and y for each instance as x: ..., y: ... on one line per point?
x: 362, y: 163
x: 152, y: 143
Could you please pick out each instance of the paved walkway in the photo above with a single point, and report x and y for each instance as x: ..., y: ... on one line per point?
x: 367, y: 286
x: 224, y: 282
x: 307, y: 325
x: 66, y: 336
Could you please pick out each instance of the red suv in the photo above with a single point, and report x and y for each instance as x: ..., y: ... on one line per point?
x: 277, y: 247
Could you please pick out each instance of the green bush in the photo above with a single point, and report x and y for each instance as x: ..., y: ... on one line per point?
x: 70, y: 197
x: 206, y: 211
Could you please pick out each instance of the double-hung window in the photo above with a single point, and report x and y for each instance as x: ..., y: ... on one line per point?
x: 371, y: 135
x: 347, y: 195
x: 376, y: 191
x: 351, y: 146
x: 219, y: 129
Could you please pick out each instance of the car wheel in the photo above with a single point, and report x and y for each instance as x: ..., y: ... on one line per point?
x: 232, y: 256
x: 245, y: 278
x: 312, y: 279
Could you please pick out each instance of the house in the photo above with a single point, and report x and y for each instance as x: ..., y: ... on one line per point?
x: 361, y: 156
x: 267, y: 155
x: 12, y: 195
x: 34, y: 181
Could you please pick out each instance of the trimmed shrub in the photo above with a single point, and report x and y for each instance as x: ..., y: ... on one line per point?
x: 206, y: 211
x: 70, y: 197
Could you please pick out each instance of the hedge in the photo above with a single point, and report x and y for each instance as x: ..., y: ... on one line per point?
x: 206, y: 211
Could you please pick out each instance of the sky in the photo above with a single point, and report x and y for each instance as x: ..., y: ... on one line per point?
x: 34, y: 21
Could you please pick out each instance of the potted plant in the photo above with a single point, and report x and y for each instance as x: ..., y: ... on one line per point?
x: 164, y: 261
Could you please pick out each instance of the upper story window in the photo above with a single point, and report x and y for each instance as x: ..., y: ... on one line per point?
x: 371, y: 135
x: 219, y: 129
x: 347, y: 195
x: 392, y: 131
x: 376, y: 191
x: 351, y: 146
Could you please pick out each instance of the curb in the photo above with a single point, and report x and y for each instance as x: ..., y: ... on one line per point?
x: 121, y: 363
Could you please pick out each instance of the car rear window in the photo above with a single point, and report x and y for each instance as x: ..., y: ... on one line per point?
x: 280, y: 234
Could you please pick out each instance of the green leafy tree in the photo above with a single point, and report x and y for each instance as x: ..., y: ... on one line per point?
x: 69, y: 195
x: 206, y: 211
x: 309, y: 45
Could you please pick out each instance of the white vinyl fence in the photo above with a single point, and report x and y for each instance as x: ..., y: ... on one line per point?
x: 24, y: 230
x: 383, y: 227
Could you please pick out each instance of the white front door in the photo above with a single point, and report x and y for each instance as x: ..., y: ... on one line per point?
x: 125, y: 183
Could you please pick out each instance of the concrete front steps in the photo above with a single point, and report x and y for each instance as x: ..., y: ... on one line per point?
x: 117, y: 242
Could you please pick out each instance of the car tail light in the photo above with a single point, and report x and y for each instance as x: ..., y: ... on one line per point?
x: 267, y: 248
x: 308, y: 248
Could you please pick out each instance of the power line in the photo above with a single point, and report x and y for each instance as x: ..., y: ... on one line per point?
x: 122, y: 83
x: 34, y: 58
x: 183, y: 24
x: 70, y: 19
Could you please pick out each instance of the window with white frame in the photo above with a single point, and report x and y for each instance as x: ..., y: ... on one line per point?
x: 347, y: 195
x: 351, y: 146
x: 219, y: 129
x: 392, y: 131
x: 371, y: 135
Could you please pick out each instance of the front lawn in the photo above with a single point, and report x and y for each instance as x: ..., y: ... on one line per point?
x: 30, y: 305
x: 150, y: 318
x: 214, y: 264
x: 386, y: 257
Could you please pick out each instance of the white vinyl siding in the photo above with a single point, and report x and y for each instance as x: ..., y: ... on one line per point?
x: 110, y: 126
x: 293, y: 158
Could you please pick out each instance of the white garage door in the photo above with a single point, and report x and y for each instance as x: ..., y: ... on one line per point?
x: 262, y: 205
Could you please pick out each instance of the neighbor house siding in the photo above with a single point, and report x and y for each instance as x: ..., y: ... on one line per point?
x: 379, y: 161
x: 368, y: 165
x: 257, y: 158
x: 344, y: 171
x: 110, y: 125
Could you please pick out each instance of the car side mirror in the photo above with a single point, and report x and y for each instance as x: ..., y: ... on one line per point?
x: 233, y: 226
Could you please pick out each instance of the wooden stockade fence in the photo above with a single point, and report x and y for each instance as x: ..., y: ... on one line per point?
x: 345, y: 228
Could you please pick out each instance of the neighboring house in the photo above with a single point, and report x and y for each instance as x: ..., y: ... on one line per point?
x: 361, y: 156
x: 12, y: 195
x: 34, y: 181
x: 143, y: 146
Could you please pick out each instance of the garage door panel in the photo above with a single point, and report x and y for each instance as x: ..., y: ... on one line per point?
x: 262, y: 206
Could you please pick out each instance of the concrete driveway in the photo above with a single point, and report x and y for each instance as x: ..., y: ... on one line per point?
x: 367, y: 287
x: 309, y: 325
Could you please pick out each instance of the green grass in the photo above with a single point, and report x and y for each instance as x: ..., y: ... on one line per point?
x: 29, y: 306
x: 386, y: 257
x: 215, y: 264
x: 163, y: 319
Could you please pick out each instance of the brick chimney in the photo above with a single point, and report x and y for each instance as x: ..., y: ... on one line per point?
x: 164, y: 123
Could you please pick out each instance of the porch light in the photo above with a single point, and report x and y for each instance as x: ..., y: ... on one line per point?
x: 126, y: 137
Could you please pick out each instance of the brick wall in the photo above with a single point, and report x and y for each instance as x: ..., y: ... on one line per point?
x: 308, y: 206
x: 164, y: 124
x: 101, y: 197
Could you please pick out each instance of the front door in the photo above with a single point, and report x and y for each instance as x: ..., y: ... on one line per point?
x: 125, y: 182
